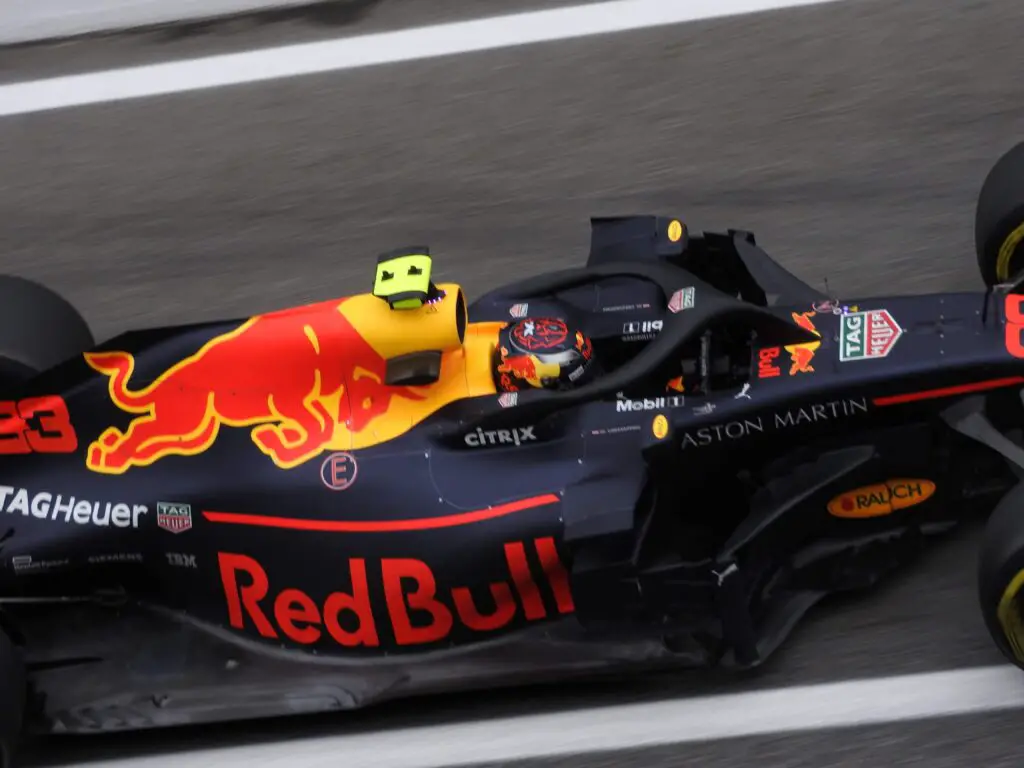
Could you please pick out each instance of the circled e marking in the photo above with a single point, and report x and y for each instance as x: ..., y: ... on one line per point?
x: 339, y: 471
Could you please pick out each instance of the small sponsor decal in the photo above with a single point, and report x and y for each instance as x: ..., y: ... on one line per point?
x: 682, y: 299
x: 659, y: 427
x: 650, y: 404
x: 43, y: 505
x: 743, y: 394
x: 339, y: 471
x: 704, y: 410
x: 36, y: 425
x: 508, y: 400
x: 117, y: 557
x: 766, y: 366
x: 514, y: 436
x: 867, y: 335
x: 641, y: 330
x: 26, y: 564
x: 176, y: 518
x: 615, y: 430
x: 720, y: 576
x: 881, y: 499
x: 675, y: 230
x: 179, y: 560
x: 625, y: 307
x: 519, y: 310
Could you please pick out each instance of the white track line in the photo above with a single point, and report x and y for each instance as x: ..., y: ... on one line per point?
x: 369, y: 50
x: 631, y: 726
x: 38, y: 20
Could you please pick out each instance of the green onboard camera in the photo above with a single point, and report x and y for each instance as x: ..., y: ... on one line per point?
x: 403, y: 278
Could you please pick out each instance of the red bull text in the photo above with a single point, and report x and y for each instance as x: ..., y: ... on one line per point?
x: 417, y: 611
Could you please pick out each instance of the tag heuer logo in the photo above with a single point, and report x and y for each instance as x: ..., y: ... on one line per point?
x: 681, y: 299
x: 176, y: 518
x: 867, y: 335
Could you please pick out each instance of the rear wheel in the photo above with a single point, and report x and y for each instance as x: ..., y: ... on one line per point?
x: 1001, y: 575
x: 12, y: 699
x: 999, y: 219
x: 38, y: 329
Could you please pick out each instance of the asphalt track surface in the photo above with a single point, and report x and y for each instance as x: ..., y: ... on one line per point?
x: 851, y: 138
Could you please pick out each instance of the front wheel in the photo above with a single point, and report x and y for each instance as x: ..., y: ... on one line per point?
x: 1001, y: 575
x: 999, y: 219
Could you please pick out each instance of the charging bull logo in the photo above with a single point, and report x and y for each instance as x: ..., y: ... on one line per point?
x: 801, y: 355
x: 769, y: 364
x: 304, y: 379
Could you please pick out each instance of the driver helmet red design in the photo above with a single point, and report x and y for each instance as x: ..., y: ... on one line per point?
x: 531, y: 333
x: 543, y: 353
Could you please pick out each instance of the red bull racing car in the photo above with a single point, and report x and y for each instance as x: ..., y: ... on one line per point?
x: 664, y: 457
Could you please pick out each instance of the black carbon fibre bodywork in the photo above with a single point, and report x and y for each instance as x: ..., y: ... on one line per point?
x: 505, y: 539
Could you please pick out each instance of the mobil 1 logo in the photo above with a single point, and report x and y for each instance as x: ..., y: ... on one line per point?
x: 649, y: 404
x: 867, y: 335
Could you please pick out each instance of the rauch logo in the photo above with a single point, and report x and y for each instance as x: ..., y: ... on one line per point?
x: 881, y: 499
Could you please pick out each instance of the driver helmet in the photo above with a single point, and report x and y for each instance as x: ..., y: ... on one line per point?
x: 542, y: 353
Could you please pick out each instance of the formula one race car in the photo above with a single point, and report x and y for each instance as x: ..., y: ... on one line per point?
x: 664, y: 457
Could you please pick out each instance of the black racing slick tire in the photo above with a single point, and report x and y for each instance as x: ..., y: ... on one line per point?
x: 1001, y: 575
x: 38, y: 329
x: 999, y: 219
x: 13, y: 693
